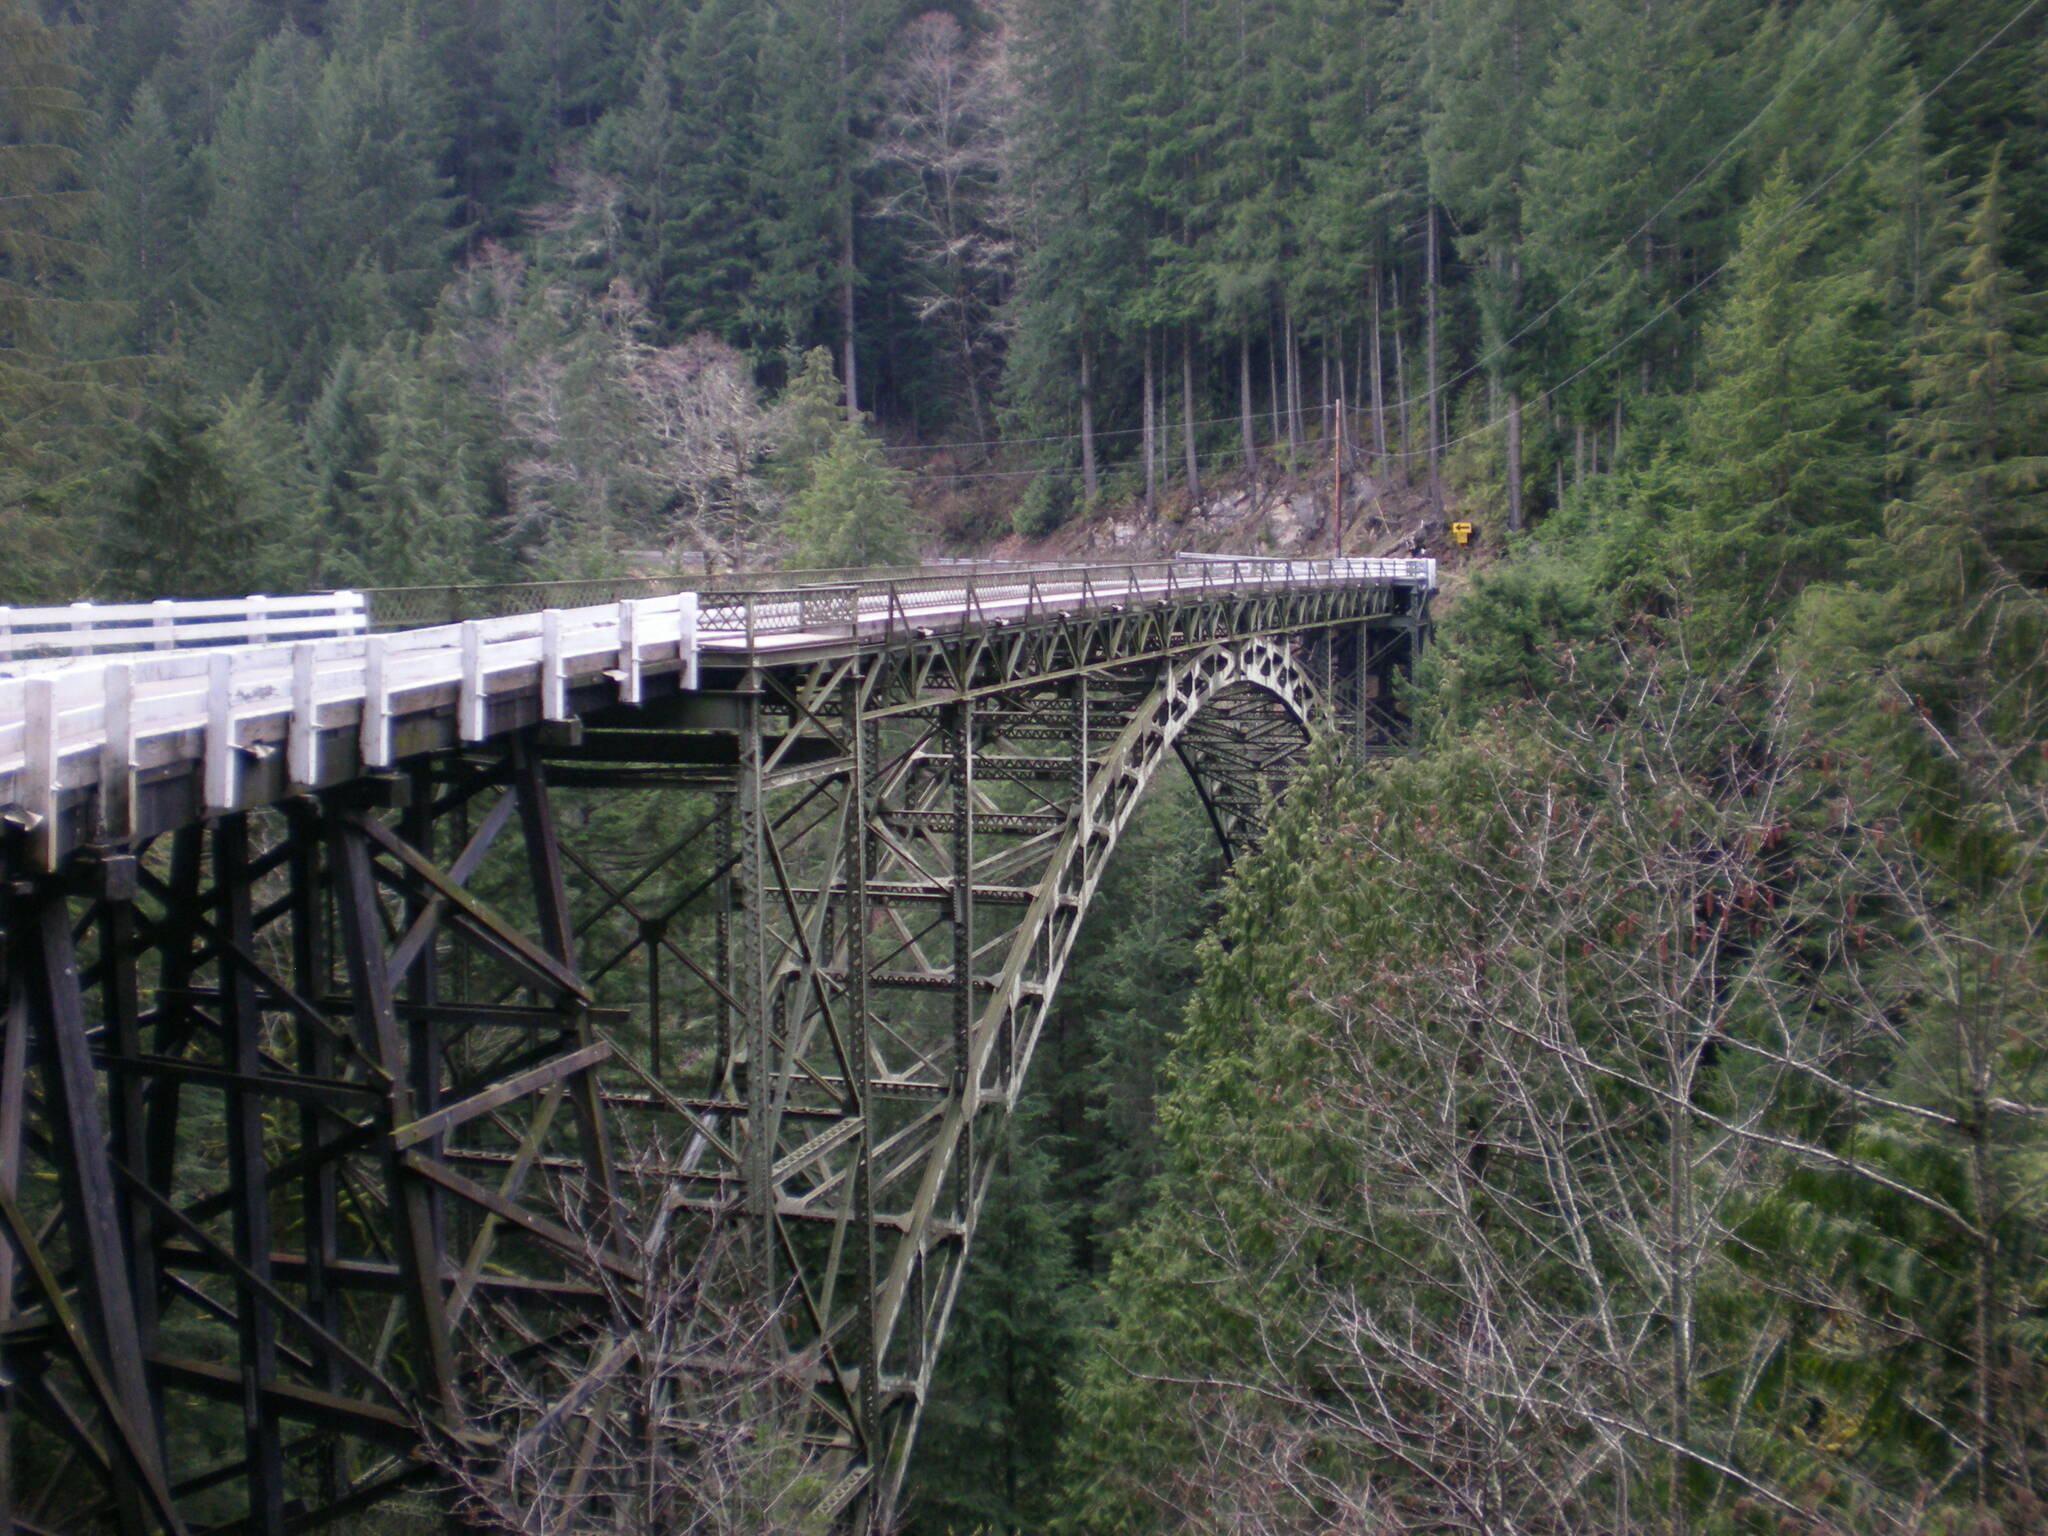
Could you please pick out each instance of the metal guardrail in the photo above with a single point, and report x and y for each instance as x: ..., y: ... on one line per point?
x: 421, y: 607
x: 761, y: 604
x: 99, y: 720
x: 879, y: 608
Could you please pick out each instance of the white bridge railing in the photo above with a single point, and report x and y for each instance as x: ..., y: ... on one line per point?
x: 101, y: 629
x: 105, y: 720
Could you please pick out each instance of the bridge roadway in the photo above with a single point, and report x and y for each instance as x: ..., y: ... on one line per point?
x: 405, y: 1032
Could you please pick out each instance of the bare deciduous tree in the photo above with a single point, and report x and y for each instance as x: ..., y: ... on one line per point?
x: 679, y: 1413
x: 946, y: 105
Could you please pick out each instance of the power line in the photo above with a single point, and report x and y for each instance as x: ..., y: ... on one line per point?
x: 1502, y: 348
x: 1668, y: 204
x: 1803, y: 201
x: 1669, y: 305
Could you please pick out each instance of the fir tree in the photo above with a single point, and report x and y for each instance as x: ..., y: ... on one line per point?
x: 219, y: 506
x: 382, y: 115
x: 987, y: 1447
x: 1970, y: 536
x: 48, y: 394
x: 852, y: 511
x: 216, y: 40
x: 811, y: 411
x: 144, y: 221
x: 1784, y: 438
x: 551, y: 75
x: 711, y: 227
x: 329, y: 217
x: 426, y: 494
x: 275, y: 260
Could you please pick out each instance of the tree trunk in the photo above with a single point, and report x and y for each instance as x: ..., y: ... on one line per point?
x: 1338, y: 423
x: 1379, y: 398
x: 846, y: 304
x: 1151, y: 436
x: 1407, y: 454
x: 1337, y: 486
x: 1089, y: 487
x: 1578, y: 454
x: 1679, y: 1258
x: 1324, y: 404
x: 1433, y: 419
x: 1187, y: 411
x: 1244, y: 405
x: 1293, y: 383
x: 982, y: 434
x: 1515, y: 459
x: 1273, y: 391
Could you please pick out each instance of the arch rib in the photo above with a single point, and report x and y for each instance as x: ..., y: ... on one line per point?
x: 1041, y: 944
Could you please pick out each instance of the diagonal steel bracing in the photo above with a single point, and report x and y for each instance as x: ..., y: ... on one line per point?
x: 313, y: 1109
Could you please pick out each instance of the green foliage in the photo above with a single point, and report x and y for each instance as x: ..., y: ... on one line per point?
x: 220, y: 503
x: 812, y: 410
x: 987, y: 1454
x: 1045, y: 504
x: 1785, y: 438
x: 144, y: 221
x: 328, y: 219
x: 53, y: 396
x: 852, y: 510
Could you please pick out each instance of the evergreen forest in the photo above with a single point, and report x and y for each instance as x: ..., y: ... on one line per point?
x: 1623, y: 1110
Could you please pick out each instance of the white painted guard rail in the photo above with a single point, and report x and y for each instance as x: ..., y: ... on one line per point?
x: 87, y: 722
x: 37, y: 638
x: 97, y: 714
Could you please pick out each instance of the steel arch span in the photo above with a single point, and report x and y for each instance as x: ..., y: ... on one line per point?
x: 353, y: 1051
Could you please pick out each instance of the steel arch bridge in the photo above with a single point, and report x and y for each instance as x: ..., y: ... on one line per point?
x: 352, y: 984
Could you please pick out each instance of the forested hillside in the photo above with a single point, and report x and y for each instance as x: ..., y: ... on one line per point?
x: 1622, y: 1113
x: 396, y: 290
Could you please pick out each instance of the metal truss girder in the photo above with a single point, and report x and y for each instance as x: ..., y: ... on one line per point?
x: 851, y: 937
x: 298, y: 973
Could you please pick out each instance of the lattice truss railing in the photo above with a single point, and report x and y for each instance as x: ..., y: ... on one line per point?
x: 322, y: 1122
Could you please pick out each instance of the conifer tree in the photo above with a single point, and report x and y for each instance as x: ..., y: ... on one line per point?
x: 636, y: 145
x: 711, y: 235
x: 341, y: 447
x: 1784, y: 438
x: 551, y: 77
x: 220, y: 503
x: 382, y: 118
x: 427, y: 492
x: 1970, y: 536
x: 328, y: 222
x: 273, y: 270
x: 852, y: 511
x: 1366, y: 177
x: 1487, y: 68
x: 988, y: 1445
x: 215, y: 41
x: 47, y: 390
x: 144, y: 222
x: 811, y: 410
x: 1637, y: 101
x: 1082, y: 136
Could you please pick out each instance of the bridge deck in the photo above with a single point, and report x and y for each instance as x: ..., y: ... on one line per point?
x: 110, y: 721
x: 319, y: 1107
